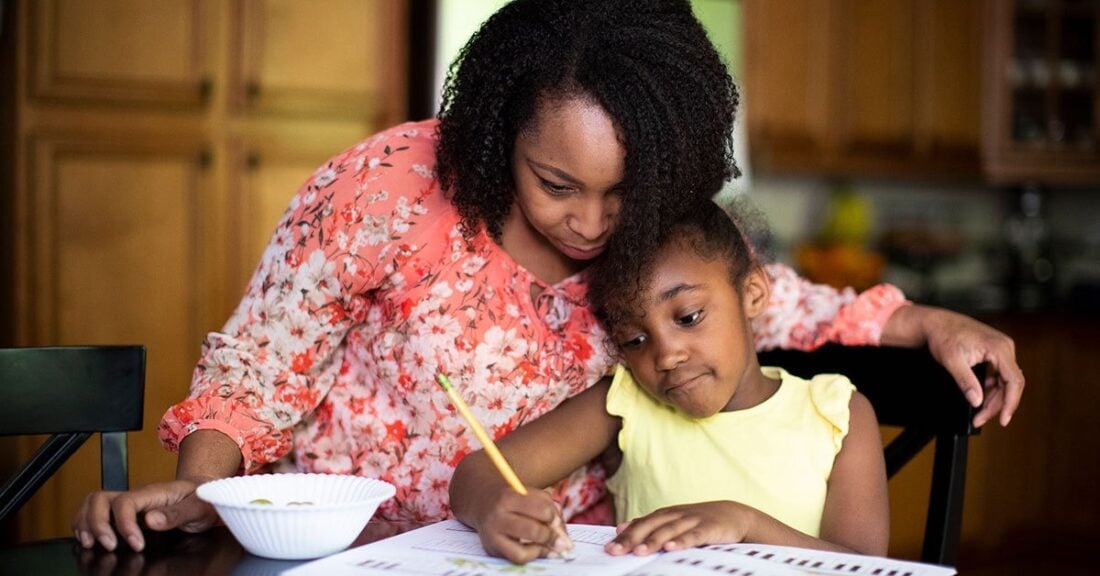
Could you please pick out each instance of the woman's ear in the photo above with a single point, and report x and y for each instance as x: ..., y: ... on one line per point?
x: 756, y: 290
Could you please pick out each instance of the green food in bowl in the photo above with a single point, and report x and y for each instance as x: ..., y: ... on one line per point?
x: 260, y: 501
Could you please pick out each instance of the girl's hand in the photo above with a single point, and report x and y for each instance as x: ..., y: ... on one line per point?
x: 680, y: 527
x: 522, y: 528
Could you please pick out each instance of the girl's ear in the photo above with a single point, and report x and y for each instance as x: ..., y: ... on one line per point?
x: 756, y: 290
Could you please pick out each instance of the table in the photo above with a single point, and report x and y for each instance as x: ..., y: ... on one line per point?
x: 214, y: 553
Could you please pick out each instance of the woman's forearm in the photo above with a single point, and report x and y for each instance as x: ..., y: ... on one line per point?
x: 907, y: 326
x: 208, y: 455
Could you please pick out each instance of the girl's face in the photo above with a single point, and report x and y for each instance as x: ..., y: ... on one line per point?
x: 567, y: 169
x: 690, y: 344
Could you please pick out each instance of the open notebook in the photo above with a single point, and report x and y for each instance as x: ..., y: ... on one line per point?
x: 450, y: 548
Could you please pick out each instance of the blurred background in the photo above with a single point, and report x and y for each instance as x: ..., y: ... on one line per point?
x: 948, y: 147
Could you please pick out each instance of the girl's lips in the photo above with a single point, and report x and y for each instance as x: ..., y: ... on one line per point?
x: 682, y: 386
x: 579, y: 254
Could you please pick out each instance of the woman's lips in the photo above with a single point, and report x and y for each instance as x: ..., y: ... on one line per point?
x: 580, y: 253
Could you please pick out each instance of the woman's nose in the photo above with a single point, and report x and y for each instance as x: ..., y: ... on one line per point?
x: 593, y: 219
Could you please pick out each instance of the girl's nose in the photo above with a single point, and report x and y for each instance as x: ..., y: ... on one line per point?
x: 670, y: 353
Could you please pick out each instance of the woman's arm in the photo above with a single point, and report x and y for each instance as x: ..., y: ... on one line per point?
x: 802, y: 315
x: 856, y: 516
x: 521, y: 528
x: 280, y: 352
x: 959, y: 343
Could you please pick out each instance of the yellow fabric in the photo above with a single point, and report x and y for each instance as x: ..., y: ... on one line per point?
x: 775, y: 457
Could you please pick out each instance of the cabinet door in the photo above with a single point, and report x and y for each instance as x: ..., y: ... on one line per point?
x: 861, y: 88
x: 115, y: 255
x: 333, y: 58
x: 1043, y: 86
x: 121, y: 51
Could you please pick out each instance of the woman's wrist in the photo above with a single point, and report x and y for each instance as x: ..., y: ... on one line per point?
x: 910, y: 325
x: 207, y: 455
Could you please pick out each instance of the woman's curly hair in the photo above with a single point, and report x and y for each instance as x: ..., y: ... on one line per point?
x: 647, y: 63
x: 711, y: 230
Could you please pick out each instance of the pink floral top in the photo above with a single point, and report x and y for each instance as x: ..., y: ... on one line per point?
x: 368, y: 290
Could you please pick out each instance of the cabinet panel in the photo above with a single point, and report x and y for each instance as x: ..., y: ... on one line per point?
x: 875, y: 78
x: 343, y: 63
x: 786, y: 77
x: 125, y: 51
x: 115, y: 248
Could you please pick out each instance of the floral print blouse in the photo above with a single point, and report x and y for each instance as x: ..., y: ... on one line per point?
x: 368, y: 290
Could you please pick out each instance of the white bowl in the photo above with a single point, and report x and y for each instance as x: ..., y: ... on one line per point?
x: 327, y: 513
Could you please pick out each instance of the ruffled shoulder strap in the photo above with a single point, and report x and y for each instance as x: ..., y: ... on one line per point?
x: 830, y: 394
x: 623, y: 395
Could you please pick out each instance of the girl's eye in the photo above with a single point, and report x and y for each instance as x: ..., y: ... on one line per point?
x: 633, y: 343
x: 690, y: 319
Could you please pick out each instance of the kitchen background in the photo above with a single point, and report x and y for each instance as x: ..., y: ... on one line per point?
x: 949, y: 147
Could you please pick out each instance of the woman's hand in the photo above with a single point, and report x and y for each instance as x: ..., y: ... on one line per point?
x: 204, y: 455
x: 959, y: 343
x: 522, y: 528
x: 680, y: 527
x: 166, y: 505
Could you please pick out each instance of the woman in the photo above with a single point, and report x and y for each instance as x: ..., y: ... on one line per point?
x: 459, y: 246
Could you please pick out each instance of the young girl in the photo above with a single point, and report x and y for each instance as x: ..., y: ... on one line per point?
x: 715, y: 448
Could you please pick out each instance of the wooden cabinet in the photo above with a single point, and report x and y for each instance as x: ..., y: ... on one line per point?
x: 862, y: 88
x: 1007, y: 91
x: 1042, y: 119
x: 153, y: 146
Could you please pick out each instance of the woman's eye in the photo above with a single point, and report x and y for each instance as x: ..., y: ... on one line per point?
x: 690, y: 319
x: 556, y: 189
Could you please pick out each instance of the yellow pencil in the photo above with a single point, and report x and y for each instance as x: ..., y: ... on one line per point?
x: 483, y: 437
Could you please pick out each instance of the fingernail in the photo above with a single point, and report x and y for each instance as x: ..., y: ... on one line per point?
x: 973, y: 397
x: 615, y: 548
x: 560, y: 544
x: 641, y: 549
x: 155, y: 518
x: 136, y: 542
x: 109, y: 542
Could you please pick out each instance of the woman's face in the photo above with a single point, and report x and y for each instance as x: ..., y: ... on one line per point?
x: 568, y: 169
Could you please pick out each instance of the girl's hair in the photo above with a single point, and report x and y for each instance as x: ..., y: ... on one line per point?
x: 712, y: 232
x: 647, y: 63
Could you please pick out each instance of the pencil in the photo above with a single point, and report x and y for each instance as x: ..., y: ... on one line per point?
x: 483, y: 437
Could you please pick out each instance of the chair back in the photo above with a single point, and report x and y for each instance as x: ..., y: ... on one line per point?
x: 70, y: 393
x: 909, y: 389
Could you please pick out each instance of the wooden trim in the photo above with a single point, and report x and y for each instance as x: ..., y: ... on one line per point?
x: 48, y: 83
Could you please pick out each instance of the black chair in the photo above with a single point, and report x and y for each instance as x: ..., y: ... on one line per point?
x: 907, y: 388
x: 70, y: 393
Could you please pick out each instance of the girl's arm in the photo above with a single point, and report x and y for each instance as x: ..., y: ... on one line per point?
x: 522, y: 528
x: 856, y: 516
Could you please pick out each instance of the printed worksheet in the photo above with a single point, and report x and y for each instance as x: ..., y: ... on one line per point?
x: 450, y: 548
